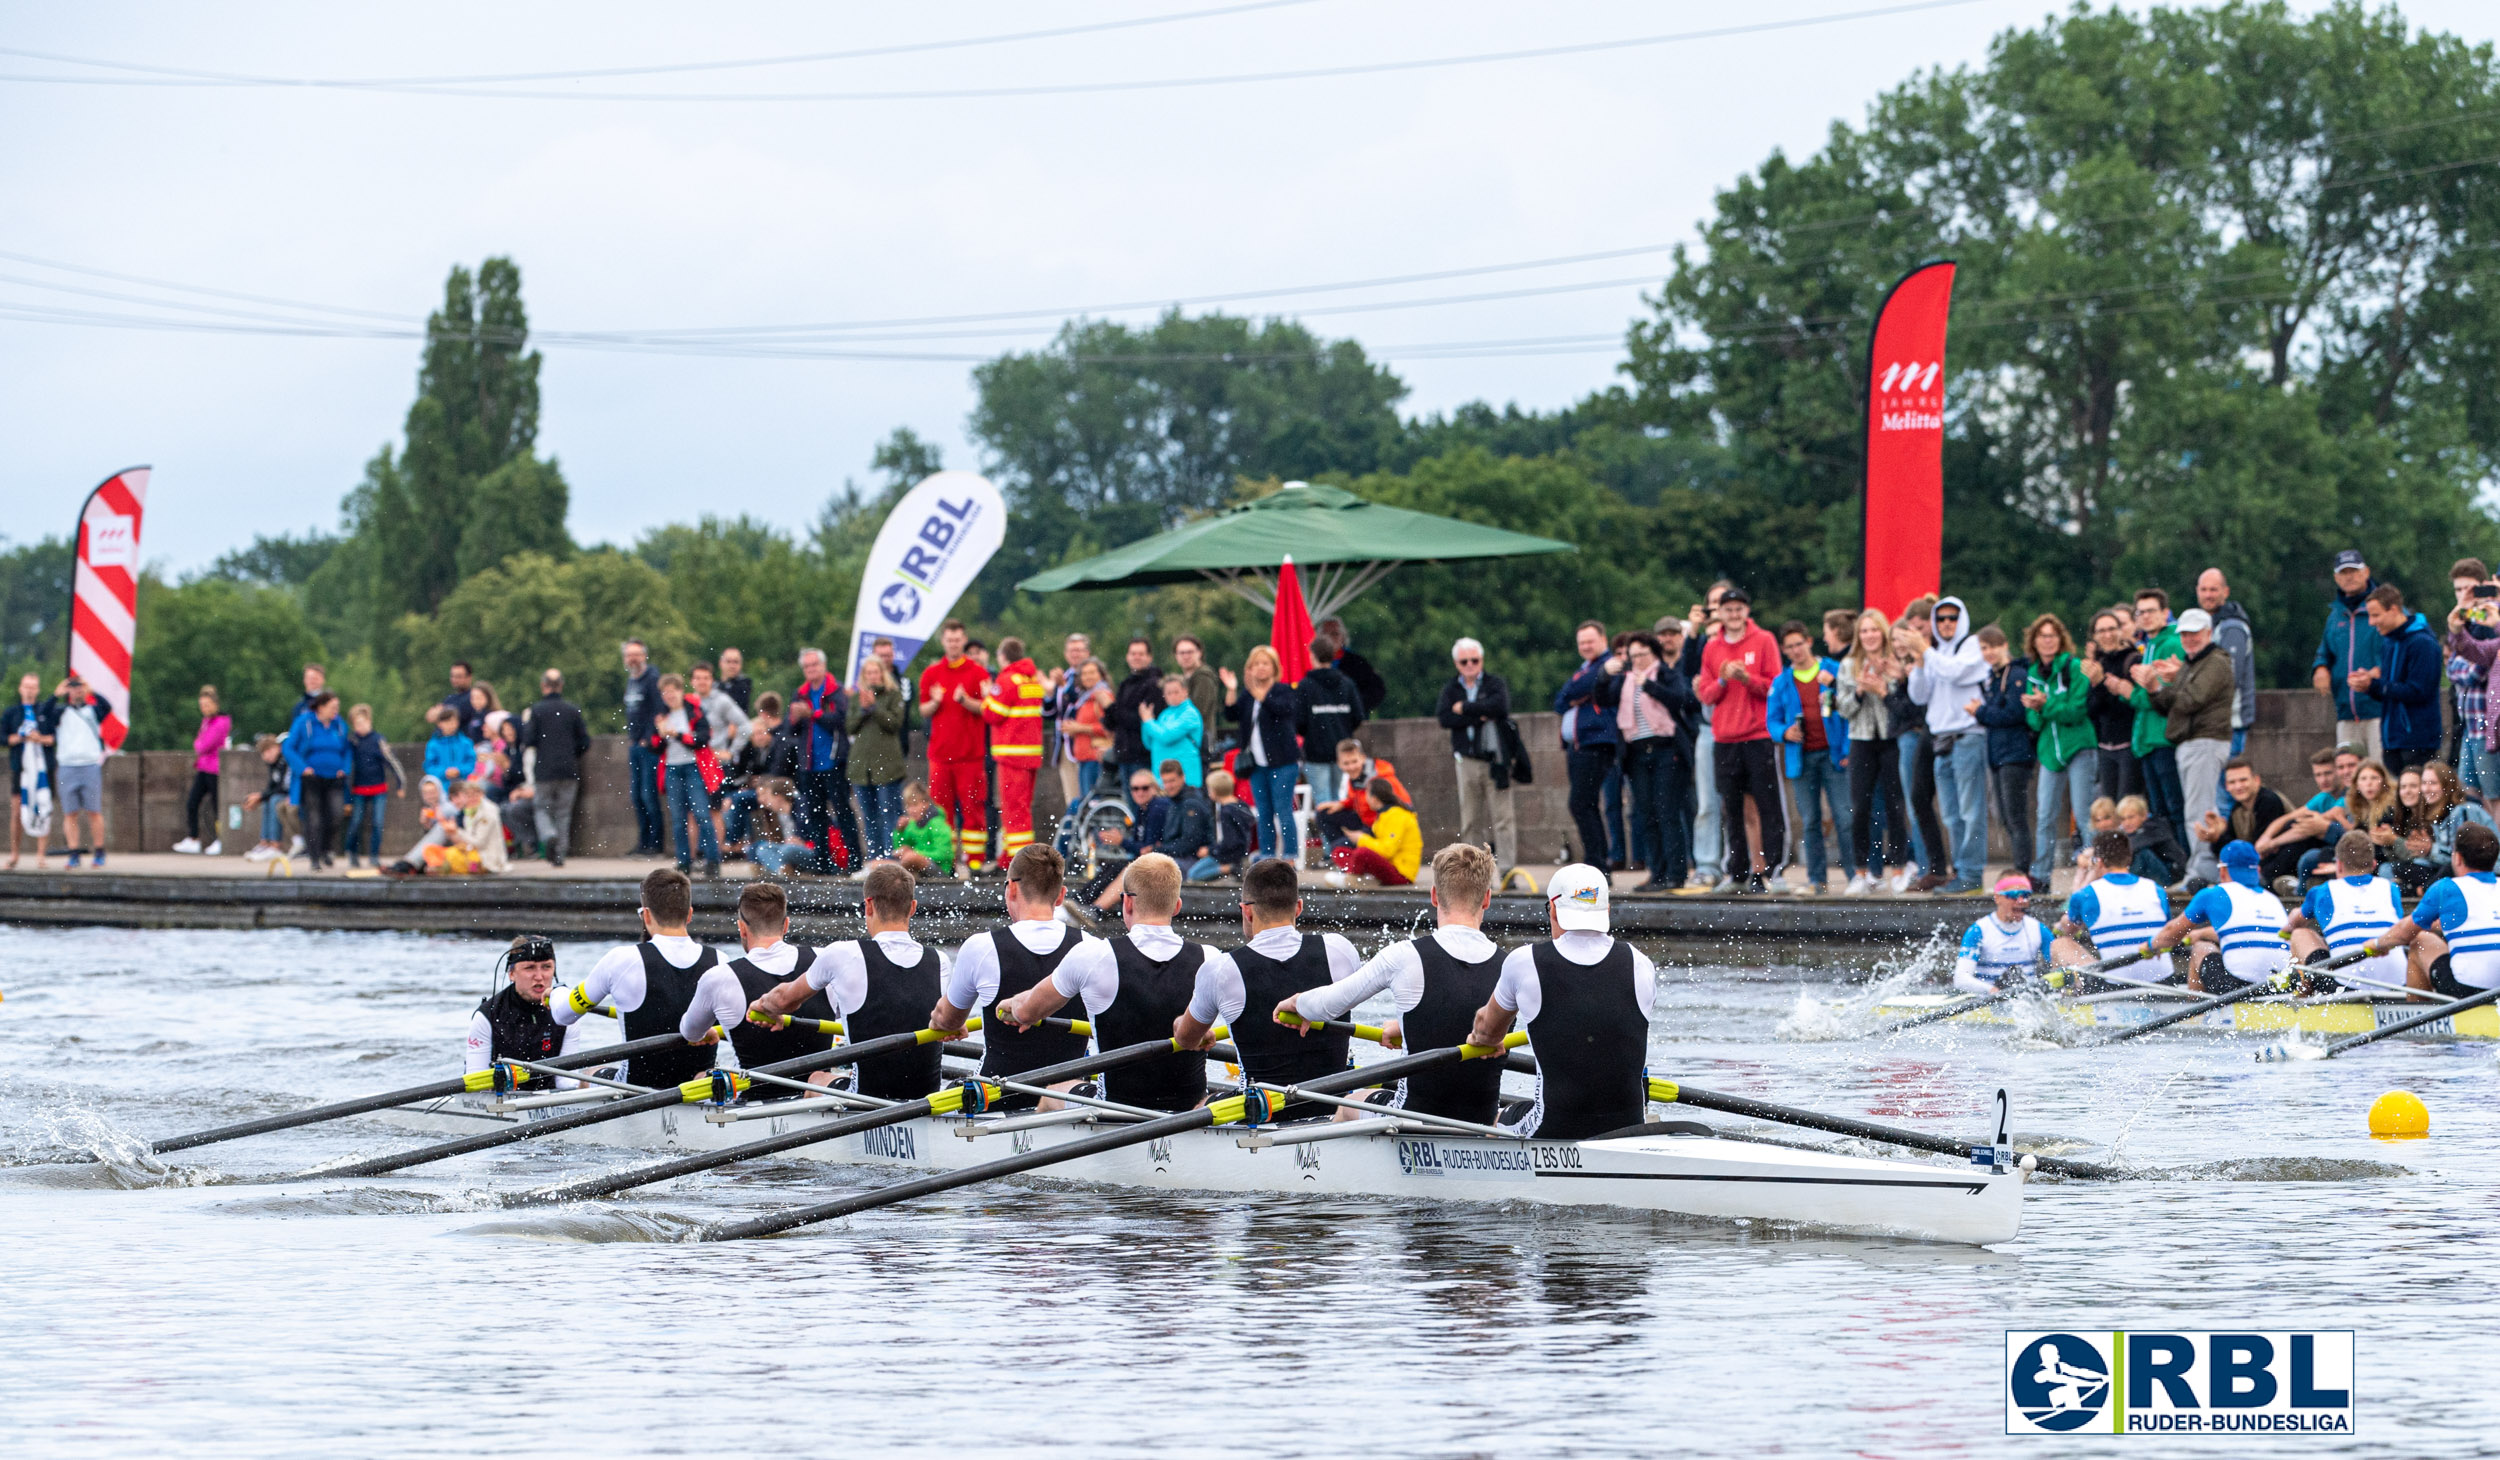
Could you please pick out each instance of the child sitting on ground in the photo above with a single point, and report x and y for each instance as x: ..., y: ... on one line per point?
x: 1388, y: 855
x: 1339, y: 820
x: 924, y: 843
x: 1236, y: 828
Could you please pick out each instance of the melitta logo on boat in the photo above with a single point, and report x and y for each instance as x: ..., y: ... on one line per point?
x: 1480, y: 1159
x: 2121, y: 1382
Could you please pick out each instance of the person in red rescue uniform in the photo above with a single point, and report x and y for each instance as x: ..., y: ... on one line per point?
x: 1014, y: 713
x: 1737, y: 667
x: 953, y: 692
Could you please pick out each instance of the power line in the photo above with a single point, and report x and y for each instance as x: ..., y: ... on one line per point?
x: 232, y: 78
x: 1077, y: 88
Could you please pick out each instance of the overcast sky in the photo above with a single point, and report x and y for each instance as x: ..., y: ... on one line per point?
x: 638, y: 215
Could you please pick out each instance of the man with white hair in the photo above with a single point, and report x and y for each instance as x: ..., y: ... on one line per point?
x: 1475, y: 709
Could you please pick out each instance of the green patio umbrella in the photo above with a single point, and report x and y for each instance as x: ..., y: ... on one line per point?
x: 1341, y: 544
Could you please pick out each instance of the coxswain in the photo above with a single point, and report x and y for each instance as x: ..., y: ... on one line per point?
x: 2114, y: 910
x: 878, y: 985
x: 1584, y: 998
x: 651, y: 983
x: 1278, y: 961
x: 1135, y: 987
x: 2005, y: 944
x: 1438, y: 983
x: 513, y: 1023
x: 2234, y: 928
x: 2455, y: 929
x: 769, y: 964
x: 2347, y: 911
x: 998, y: 965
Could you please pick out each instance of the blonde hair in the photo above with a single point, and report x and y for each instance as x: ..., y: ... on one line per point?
x: 2134, y: 806
x: 1220, y: 785
x: 2103, y: 806
x: 1462, y: 874
x: 1275, y: 666
x: 1155, y: 881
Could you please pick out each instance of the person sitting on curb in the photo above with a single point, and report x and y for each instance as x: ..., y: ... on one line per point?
x: 1391, y: 853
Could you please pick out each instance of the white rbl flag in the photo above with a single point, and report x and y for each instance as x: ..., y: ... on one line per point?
x: 104, y: 595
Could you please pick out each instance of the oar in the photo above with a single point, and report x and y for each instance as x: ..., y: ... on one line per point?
x: 1222, y: 1112
x: 481, y: 1080
x: 2200, y: 1009
x: 1672, y: 1092
x: 2014, y: 987
x: 2275, y: 1052
x: 719, y: 1084
x: 945, y: 1102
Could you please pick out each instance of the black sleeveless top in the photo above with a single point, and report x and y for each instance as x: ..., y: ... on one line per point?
x: 1453, y: 993
x: 757, y: 1045
x: 898, y: 1001
x: 1152, y: 995
x: 1591, y: 1038
x: 667, y: 992
x: 1270, y: 1052
x: 1007, y: 1050
x: 522, y: 1030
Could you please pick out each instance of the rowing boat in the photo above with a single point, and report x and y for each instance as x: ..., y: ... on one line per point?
x: 1673, y: 1168
x: 2328, y: 1014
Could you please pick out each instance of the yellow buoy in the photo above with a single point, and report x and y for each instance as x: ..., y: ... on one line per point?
x: 2399, y: 1113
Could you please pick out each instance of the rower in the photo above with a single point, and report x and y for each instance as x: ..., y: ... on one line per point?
x: 2006, y: 943
x: 513, y: 1023
x: 2462, y: 958
x: 2235, y: 928
x: 1438, y: 983
x: 2117, y: 911
x: 1585, y: 999
x: 878, y: 985
x: 1279, y: 960
x: 2348, y: 911
x: 769, y: 965
x: 995, y: 965
x: 1135, y: 987
x: 650, y: 983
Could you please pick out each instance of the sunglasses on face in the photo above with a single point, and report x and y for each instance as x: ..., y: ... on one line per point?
x: 1471, y: 661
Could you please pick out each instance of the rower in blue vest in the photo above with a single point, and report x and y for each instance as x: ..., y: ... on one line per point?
x: 2234, y: 928
x: 2115, y: 910
x: 2462, y: 957
x: 2008, y: 943
x: 2342, y: 914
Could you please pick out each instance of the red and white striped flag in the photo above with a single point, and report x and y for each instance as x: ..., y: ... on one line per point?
x: 104, y: 596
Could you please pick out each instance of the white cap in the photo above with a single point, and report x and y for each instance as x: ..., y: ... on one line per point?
x: 1578, y: 896
x: 2196, y: 621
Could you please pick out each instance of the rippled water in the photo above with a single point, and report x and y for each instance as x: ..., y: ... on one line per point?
x: 183, y: 1310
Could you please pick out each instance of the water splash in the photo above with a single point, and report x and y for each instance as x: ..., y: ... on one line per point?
x: 593, y: 1225
x: 1851, y: 1014
x: 99, y: 1153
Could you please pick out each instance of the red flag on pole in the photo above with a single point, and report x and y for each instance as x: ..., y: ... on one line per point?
x: 1904, y: 497
x: 1291, y: 635
x: 104, y: 594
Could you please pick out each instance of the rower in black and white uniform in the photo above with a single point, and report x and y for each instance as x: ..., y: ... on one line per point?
x: 878, y: 985
x: 1135, y: 987
x: 999, y: 965
x: 770, y: 963
x: 1438, y: 983
x: 650, y: 984
x: 513, y: 1023
x: 2347, y: 911
x: 2455, y: 929
x: 1278, y: 961
x: 1584, y: 998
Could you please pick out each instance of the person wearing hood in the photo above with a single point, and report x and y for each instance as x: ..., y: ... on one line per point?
x: 1947, y: 682
x: 2405, y: 681
x: 2348, y: 648
x: 2195, y: 694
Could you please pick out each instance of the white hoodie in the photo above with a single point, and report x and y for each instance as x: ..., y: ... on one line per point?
x: 1950, y: 676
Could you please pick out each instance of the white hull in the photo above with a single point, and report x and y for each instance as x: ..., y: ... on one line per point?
x: 1695, y: 1176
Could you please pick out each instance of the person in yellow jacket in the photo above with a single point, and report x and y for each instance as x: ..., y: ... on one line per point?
x: 1391, y: 852
x: 1013, y: 708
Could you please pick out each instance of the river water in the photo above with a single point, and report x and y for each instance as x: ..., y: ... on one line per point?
x: 186, y: 1310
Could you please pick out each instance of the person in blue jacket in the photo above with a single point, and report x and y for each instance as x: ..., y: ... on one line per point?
x: 2348, y: 647
x: 1814, y: 744
x: 1590, y: 741
x: 2405, y: 681
x: 318, y: 755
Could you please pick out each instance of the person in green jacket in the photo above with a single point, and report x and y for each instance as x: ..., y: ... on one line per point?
x: 923, y: 841
x: 2160, y: 661
x: 875, y: 721
x: 2054, y: 696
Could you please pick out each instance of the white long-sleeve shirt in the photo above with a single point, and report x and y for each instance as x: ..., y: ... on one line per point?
x: 1396, y: 969
x: 1520, y: 991
x: 973, y: 982
x: 1092, y: 971
x: 617, y: 981
x: 719, y: 999
x: 1219, y: 995
x: 840, y: 972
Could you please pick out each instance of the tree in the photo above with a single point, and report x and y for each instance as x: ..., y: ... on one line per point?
x: 745, y: 584
x: 251, y: 642
x: 519, y: 507
x: 531, y: 613
x: 34, y: 610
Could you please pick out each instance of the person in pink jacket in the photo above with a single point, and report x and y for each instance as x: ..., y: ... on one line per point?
x: 207, y: 760
x: 1737, y: 667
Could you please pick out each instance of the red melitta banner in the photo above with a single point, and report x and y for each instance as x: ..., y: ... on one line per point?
x: 104, y: 595
x: 1904, y: 497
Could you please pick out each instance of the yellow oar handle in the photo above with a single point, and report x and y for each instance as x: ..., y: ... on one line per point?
x: 1234, y: 1109
x: 494, y: 1077
x: 1663, y: 1091
x: 1360, y: 1031
x: 718, y: 1085
x: 785, y: 1021
x: 950, y: 1101
x: 1510, y: 1041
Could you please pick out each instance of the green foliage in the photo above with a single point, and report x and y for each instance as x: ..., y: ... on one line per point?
x: 531, y: 613
x: 34, y: 609
x: 746, y: 585
x: 251, y: 642
x: 284, y: 561
x: 518, y: 507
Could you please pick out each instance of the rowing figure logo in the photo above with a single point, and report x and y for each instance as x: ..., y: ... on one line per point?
x: 1159, y: 1152
x: 1022, y: 1140
x: 899, y: 602
x: 1306, y: 1158
x: 2060, y: 1382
